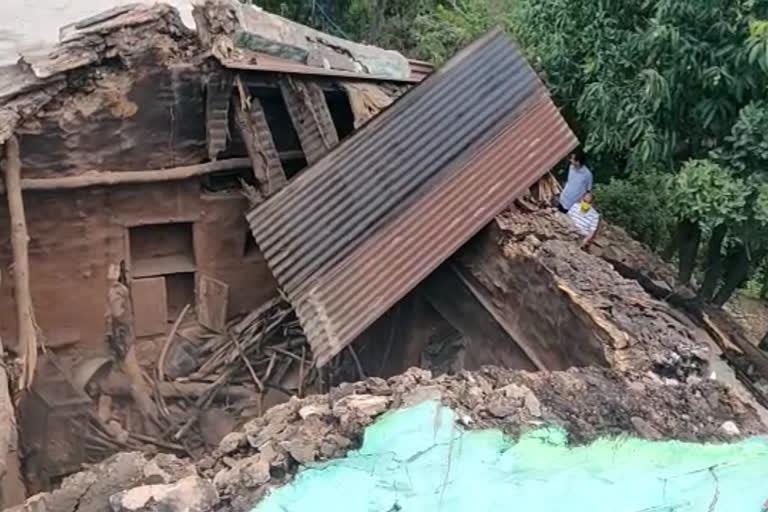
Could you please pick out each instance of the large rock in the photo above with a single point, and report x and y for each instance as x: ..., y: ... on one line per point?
x: 190, y: 494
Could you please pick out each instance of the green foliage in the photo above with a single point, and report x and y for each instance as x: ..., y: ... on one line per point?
x: 706, y: 192
x: 640, y: 204
x: 745, y: 149
x: 761, y: 205
x: 443, y: 31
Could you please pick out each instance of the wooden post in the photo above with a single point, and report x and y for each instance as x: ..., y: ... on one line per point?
x: 27, y: 328
x: 121, y: 339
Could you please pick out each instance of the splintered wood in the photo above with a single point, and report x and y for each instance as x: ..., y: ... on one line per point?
x: 254, y: 362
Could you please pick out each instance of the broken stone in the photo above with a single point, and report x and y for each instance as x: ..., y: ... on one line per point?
x: 302, y: 450
x: 730, y: 428
x: 532, y: 404
x: 334, y: 445
x: 117, y: 431
x: 232, y: 442
x: 166, y: 469
x: 273, y: 455
x: 501, y: 408
x: 250, y: 472
x: 368, y: 405
x: 314, y: 410
x: 190, y: 494
x: 645, y: 429
x: 422, y: 394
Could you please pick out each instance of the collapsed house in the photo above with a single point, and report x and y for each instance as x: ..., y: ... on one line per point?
x: 175, y: 160
x: 131, y: 91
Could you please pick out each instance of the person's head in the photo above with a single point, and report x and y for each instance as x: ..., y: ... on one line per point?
x: 586, y: 202
x: 577, y: 158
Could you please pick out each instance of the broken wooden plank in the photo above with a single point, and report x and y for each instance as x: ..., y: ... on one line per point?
x: 218, y: 94
x: 151, y: 306
x: 366, y: 100
x: 311, y: 117
x: 254, y: 130
x: 212, y: 302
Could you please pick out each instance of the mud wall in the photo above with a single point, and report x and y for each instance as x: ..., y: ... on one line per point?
x: 523, y: 296
x: 76, y: 235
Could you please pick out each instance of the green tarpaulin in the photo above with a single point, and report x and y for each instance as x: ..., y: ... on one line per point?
x: 420, y: 460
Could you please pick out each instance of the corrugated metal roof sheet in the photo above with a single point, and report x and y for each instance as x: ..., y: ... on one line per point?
x: 358, y: 230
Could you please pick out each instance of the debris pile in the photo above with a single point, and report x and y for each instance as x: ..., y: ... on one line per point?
x: 621, y: 284
x: 204, y: 381
x: 536, y: 256
x: 267, y: 451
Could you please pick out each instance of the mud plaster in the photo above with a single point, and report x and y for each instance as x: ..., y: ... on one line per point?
x: 77, y: 234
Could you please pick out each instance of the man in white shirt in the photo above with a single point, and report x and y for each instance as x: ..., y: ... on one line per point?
x: 585, y: 218
x: 579, y: 182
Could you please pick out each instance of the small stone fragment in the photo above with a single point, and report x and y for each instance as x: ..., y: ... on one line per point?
x: 422, y: 394
x: 232, y: 442
x: 190, y: 494
x: 165, y: 469
x: 249, y: 472
x: 501, y: 408
x: 532, y: 404
x: 368, y: 405
x: 645, y: 429
x: 302, y: 450
x: 314, y: 410
x: 730, y: 428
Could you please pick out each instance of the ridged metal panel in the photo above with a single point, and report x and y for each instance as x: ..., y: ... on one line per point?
x: 311, y: 117
x: 359, y: 229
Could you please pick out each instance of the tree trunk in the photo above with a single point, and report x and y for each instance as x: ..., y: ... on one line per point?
x: 764, y: 289
x: 764, y: 343
x: 27, y: 327
x: 714, y: 263
x: 672, y: 245
x: 737, y: 267
x: 378, y: 20
x: 689, y: 238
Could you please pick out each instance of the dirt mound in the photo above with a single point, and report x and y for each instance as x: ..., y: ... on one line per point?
x: 531, y: 263
x: 587, y: 403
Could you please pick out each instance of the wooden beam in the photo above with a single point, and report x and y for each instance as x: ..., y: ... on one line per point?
x: 257, y: 137
x: 109, y: 178
x: 310, y: 116
x: 217, y: 95
x: 27, y: 327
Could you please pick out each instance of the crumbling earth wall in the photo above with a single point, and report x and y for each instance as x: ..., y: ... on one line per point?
x: 603, y: 310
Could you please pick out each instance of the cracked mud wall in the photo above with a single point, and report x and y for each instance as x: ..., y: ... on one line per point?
x: 609, y: 313
x: 76, y: 235
x: 523, y: 294
x: 119, y: 120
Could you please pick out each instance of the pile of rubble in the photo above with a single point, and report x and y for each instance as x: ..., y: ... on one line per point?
x: 267, y: 451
